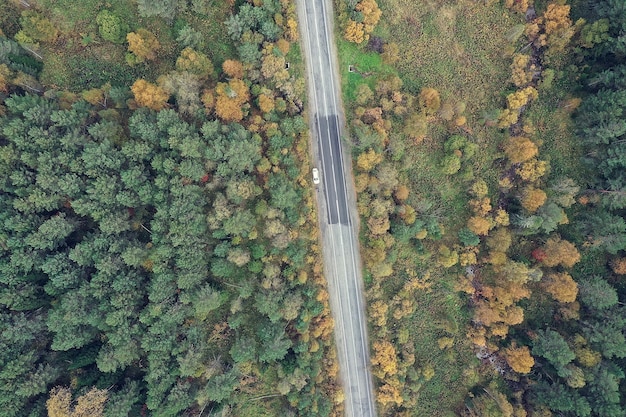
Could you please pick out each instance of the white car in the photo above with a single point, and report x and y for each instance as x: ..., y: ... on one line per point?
x: 316, y: 176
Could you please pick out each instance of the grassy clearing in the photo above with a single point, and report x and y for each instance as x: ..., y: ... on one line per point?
x: 458, y: 49
x: 462, y: 51
x: 75, y: 65
x: 441, y: 313
x: 554, y: 128
x: 454, y: 47
x: 364, y: 64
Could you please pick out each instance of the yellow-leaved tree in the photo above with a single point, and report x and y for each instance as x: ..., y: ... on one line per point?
x: 385, y: 361
x: 91, y: 404
x: 519, y: 149
x: 560, y: 252
x: 561, y: 286
x: 371, y: 14
x: 532, y: 198
x: 368, y: 160
x: 429, y: 101
x: 519, y: 358
x: 143, y: 45
x: 149, y: 95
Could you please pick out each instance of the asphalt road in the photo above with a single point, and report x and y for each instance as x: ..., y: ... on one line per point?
x: 336, y: 200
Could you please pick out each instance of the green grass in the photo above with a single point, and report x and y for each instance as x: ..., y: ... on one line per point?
x: 71, y: 65
x: 560, y: 147
x: 366, y: 66
x: 461, y: 50
x: 442, y: 313
x: 458, y: 49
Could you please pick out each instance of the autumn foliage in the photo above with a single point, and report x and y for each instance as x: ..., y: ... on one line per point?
x: 355, y: 32
x: 561, y: 286
x: 429, y: 101
x: 371, y: 14
x: 522, y: 71
x: 560, y: 252
x: 233, y: 68
x: 143, y: 44
x: 231, y: 97
x: 479, y: 225
x: 519, y: 149
x: 384, y: 359
x: 519, y: 359
x: 368, y: 160
x: 91, y: 404
x: 149, y: 95
x: 532, y: 198
x: 358, y: 32
x: 619, y: 266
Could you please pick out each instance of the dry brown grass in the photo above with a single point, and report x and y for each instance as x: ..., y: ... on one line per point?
x: 454, y: 47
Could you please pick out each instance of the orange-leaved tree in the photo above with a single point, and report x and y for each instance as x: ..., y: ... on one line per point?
x: 561, y: 286
x: 231, y: 99
x: 232, y: 68
x: 355, y: 32
x: 560, y: 252
x: 149, y: 95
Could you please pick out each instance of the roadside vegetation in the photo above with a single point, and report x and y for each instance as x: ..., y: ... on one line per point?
x: 158, y: 239
x: 489, y: 226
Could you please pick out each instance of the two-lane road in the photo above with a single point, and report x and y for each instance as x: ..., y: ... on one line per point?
x: 336, y: 199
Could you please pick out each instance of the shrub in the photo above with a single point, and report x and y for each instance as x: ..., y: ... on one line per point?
x: 455, y: 142
x: 519, y: 149
x: 450, y: 164
x: 468, y: 238
x: 429, y: 101
x: 111, y: 27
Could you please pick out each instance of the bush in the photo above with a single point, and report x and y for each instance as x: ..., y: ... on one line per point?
x: 455, y: 142
x: 468, y: 238
x: 450, y: 164
x: 111, y: 27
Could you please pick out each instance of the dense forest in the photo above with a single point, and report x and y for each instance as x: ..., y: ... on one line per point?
x: 157, y: 233
x: 158, y: 237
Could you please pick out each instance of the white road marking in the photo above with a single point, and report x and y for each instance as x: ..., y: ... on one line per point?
x: 325, y: 136
x: 356, y: 278
x: 320, y: 134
